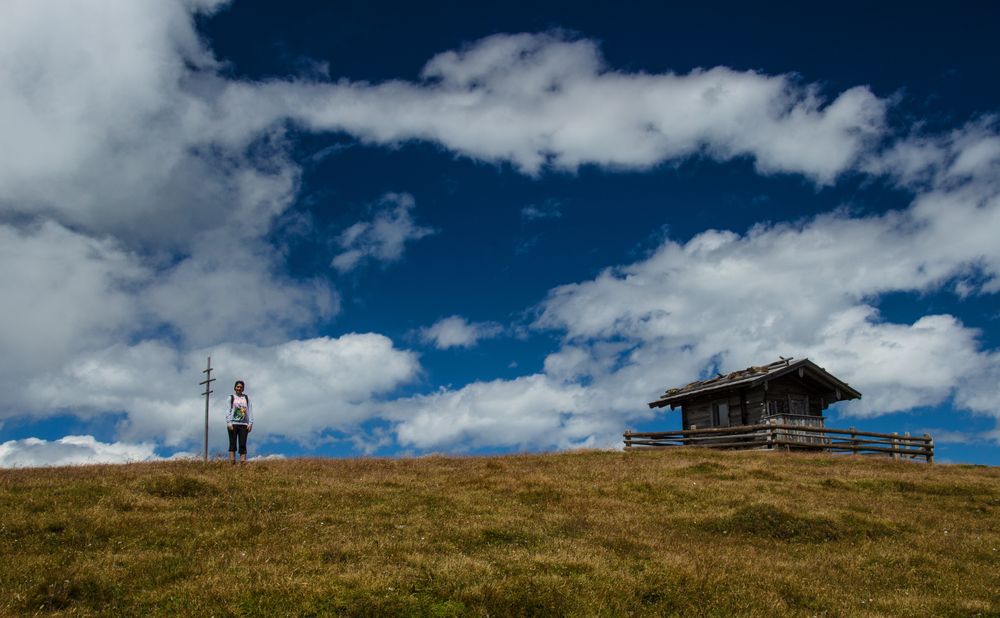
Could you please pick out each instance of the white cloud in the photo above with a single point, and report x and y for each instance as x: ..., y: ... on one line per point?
x: 61, y: 293
x: 107, y: 113
x: 980, y: 388
x: 65, y: 293
x: 531, y: 411
x: 150, y: 180
x: 73, y: 451
x: 729, y: 300
x: 969, y: 154
x: 724, y: 301
x: 456, y: 331
x: 137, y: 186
x: 382, y: 238
x: 299, y: 388
x: 541, y: 100
x: 132, y: 203
x: 231, y: 289
x: 898, y: 366
x: 549, y: 209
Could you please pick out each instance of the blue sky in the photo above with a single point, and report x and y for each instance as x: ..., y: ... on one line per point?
x: 472, y: 229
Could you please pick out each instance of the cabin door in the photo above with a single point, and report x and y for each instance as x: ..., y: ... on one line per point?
x: 720, y: 414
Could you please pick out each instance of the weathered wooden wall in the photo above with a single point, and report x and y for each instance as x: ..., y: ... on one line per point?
x: 698, y: 413
x: 755, y: 406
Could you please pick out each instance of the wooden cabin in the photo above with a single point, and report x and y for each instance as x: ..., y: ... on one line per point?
x: 787, y: 391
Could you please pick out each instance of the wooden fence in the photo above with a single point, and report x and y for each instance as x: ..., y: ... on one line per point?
x: 774, y: 435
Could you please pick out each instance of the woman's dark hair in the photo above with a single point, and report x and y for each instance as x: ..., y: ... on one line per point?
x: 239, y: 383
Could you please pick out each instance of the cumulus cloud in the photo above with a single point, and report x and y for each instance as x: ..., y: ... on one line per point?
x: 74, y: 451
x: 131, y: 203
x: 66, y: 294
x: 790, y: 277
x: 106, y: 109
x: 531, y: 411
x: 234, y: 290
x: 384, y: 237
x: 968, y: 154
x: 801, y: 290
x: 299, y: 388
x: 456, y: 331
x: 139, y: 184
x: 61, y: 293
x: 723, y: 301
x: 547, y: 101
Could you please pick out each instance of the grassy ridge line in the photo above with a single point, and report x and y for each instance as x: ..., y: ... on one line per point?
x: 679, y: 532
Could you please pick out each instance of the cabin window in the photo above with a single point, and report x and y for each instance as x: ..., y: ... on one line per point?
x: 720, y: 414
x: 776, y: 407
x: 798, y: 405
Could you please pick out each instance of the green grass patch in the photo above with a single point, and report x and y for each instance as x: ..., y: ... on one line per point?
x: 179, y: 486
x: 770, y: 522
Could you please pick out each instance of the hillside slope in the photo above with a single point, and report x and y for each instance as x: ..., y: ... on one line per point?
x: 585, y: 533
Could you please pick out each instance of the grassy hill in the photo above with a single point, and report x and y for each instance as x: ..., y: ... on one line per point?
x: 586, y: 533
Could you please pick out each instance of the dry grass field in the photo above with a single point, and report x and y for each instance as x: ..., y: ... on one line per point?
x: 679, y: 532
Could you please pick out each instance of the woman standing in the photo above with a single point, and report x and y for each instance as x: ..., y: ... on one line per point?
x: 239, y: 421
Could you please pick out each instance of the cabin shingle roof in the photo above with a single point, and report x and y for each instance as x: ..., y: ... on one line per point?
x: 753, y: 376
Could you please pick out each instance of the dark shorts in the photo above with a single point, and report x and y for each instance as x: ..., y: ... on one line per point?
x: 240, y: 432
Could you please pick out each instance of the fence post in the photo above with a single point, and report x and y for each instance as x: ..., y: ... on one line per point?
x: 930, y: 448
x: 895, y: 445
x: 771, y: 435
x: 628, y: 439
x: 906, y: 443
x: 854, y: 441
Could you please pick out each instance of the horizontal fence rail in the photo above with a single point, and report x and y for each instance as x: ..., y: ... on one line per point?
x: 775, y: 435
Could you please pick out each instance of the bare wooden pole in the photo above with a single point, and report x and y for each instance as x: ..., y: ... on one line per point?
x: 208, y: 391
